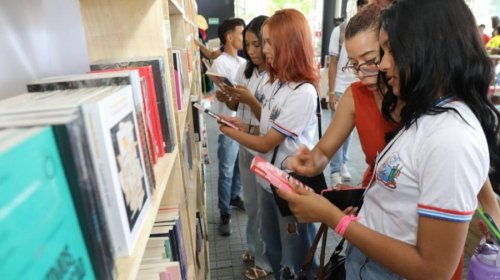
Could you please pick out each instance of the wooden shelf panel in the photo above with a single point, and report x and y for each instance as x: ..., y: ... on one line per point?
x: 183, y: 114
x: 175, y: 8
x: 127, y: 267
x: 117, y: 29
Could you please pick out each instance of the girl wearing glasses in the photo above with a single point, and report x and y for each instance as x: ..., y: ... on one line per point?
x: 414, y: 221
x: 360, y: 105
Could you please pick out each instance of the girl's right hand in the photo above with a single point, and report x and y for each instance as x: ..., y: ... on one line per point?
x: 302, y: 162
x: 221, y: 96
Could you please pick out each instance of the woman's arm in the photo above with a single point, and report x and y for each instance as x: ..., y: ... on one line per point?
x: 310, y: 163
x: 207, y: 52
x: 261, y: 144
x: 435, y: 256
x: 488, y: 200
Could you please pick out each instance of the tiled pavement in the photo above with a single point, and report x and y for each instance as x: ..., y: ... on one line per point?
x: 225, y: 252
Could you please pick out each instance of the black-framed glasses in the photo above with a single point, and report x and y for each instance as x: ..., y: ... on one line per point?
x: 369, y: 68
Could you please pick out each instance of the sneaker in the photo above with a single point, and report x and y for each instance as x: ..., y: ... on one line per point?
x: 225, y: 225
x: 335, y: 179
x: 238, y: 203
x: 344, y: 172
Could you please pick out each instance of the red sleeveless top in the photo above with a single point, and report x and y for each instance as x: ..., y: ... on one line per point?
x: 371, y: 126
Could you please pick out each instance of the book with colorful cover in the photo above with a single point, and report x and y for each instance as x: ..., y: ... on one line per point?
x: 150, y: 106
x: 102, y: 79
x: 162, y: 94
x: 118, y: 162
x: 39, y: 229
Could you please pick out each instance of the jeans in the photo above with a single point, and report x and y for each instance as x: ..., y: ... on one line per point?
x: 229, y: 185
x: 359, y: 266
x: 341, y: 156
x: 287, y: 241
x: 251, y: 192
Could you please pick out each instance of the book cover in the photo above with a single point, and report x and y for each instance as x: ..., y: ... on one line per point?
x: 179, y: 86
x: 162, y: 94
x: 118, y: 162
x: 36, y: 198
x: 101, y: 79
x: 149, y: 103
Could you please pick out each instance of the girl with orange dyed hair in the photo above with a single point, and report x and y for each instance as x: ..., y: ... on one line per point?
x: 287, y: 121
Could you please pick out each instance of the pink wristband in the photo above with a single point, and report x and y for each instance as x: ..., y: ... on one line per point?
x: 344, y: 223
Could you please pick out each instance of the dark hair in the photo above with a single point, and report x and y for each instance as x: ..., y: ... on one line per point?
x: 498, y: 30
x: 481, y: 25
x: 366, y: 19
x: 437, y: 49
x: 255, y: 27
x: 361, y: 3
x: 226, y: 26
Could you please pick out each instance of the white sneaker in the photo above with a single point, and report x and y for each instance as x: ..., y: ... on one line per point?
x: 335, y: 179
x: 344, y: 172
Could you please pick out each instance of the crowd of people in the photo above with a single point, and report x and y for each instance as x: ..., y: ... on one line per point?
x: 429, y: 133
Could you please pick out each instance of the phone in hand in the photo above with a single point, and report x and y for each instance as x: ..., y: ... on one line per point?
x: 344, y: 196
x: 213, y: 115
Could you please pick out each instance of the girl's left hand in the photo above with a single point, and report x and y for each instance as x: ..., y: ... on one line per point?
x: 306, y: 205
x: 240, y: 93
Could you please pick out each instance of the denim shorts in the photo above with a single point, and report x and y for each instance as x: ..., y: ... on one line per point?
x: 358, y: 266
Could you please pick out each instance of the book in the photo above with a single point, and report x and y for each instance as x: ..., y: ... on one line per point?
x: 116, y: 78
x: 118, y: 162
x: 36, y: 198
x: 219, y: 79
x: 177, y: 75
x: 162, y: 94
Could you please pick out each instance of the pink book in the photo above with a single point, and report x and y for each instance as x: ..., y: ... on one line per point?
x: 272, y: 174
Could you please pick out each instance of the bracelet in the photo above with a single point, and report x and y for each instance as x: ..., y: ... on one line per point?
x: 331, y: 93
x: 344, y: 223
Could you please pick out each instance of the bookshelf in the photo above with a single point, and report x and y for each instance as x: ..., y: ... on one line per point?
x: 122, y: 29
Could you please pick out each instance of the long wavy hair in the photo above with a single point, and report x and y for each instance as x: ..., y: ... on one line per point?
x: 254, y: 26
x: 293, y: 48
x: 437, y: 48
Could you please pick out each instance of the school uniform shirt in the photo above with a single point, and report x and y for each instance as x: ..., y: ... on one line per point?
x: 335, y: 48
x: 226, y: 65
x: 433, y: 169
x: 292, y: 112
x: 255, y: 84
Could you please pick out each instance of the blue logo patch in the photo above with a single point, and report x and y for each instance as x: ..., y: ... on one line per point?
x: 389, y: 171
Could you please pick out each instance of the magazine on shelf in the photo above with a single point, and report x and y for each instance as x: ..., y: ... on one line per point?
x: 36, y: 199
x: 115, y: 78
x: 119, y: 165
x: 162, y: 94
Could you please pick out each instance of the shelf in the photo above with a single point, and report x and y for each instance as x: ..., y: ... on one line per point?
x: 127, y: 267
x: 175, y: 8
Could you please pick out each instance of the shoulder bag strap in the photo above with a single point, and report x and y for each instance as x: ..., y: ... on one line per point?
x: 318, y: 108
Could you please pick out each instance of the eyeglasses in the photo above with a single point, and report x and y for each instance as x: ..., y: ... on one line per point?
x: 369, y: 68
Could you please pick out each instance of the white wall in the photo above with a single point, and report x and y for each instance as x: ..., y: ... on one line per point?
x: 39, y: 38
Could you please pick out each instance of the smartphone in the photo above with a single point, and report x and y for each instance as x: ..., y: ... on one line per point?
x: 492, y: 227
x: 213, y: 115
x: 344, y: 196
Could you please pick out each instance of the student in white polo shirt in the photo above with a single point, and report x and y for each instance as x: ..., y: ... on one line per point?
x: 287, y: 121
x: 246, y: 98
x: 416, y: 213
x: 229, y: 186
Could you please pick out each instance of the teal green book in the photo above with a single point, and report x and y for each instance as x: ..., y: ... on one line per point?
x: 40, y: 237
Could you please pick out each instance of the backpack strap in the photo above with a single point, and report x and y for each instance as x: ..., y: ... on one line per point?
x: 318, y: 107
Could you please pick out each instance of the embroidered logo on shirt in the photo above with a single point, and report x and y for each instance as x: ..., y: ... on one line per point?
x: 389, y: 171
x: 275, y: 113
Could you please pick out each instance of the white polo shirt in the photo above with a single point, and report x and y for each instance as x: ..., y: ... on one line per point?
x: 255, y: 84
x: 227, y: 65
x: 292, y: 112
x: 433, y: 169
x: 343, y: 79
